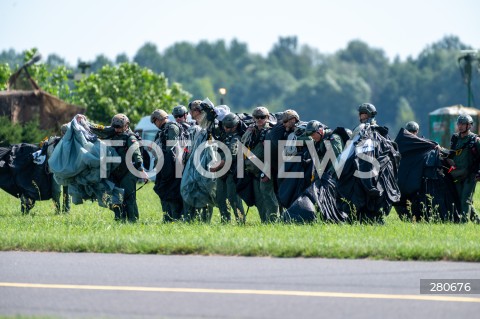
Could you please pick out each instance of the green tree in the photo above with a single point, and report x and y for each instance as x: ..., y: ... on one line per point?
x: 5, y: 73
x: 12, y: 58
x: 55, y: 61
x: 369, y: 63
x: 404, y: 114
x: 121, y: 58
x: 286, y: 54
x: 128, y: 89
x: 149, y: 57
x: 99, y: 62
x: 331, y: 99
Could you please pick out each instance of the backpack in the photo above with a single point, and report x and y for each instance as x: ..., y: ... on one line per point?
x: 184, y: 135
x: 340, y: 131
x: 245, y: 121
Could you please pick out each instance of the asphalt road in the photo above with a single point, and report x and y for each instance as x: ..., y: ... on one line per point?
x: 154, y: 286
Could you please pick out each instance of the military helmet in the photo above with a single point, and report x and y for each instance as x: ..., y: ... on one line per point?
x: 230, y: 120
x: 120, y: 120
x: 290, y: 114
x: 179, y: 110
x: 412, y: 126
x: 367, y: 108
x: 158, y: 115
x: 197, y: 104
x: 63, y: 128
x: 464, y: 119
x: 313, y: 126
x: 260, y: 111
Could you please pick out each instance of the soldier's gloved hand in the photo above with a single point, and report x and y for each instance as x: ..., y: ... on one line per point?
x: 218, y: 167
x: 450, y: 162
x: 144, y: 176
x: 80, y: 117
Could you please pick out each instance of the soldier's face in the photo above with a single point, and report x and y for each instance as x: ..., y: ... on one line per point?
x: 195, y: 113
x: 289, y: 124
x: 121, y: 129
x: 463, y: 127
x: 180, y: 119
x: 316, y: 136
x: 261, y: 120
x: 158, y: 123
x: 229, y: 129
x: 363, y: 117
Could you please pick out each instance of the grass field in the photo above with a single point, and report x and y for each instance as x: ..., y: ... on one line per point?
x: 90, y: 228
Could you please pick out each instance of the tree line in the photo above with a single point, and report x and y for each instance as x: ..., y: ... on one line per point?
x: 325, y: 87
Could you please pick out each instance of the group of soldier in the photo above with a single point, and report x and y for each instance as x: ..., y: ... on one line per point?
x: 230, y: 129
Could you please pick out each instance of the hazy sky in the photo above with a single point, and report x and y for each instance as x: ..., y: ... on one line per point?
x: 83, y: 29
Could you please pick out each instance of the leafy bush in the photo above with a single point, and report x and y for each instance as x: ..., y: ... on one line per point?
x: 9, y: 133
x: 16, y: 133
x: 128, y: 89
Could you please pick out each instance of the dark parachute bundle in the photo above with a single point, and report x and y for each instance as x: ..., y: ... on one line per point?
x: 318, y: 201
x: 289, y: 189
x: 428, y: 191
x: 315, y: 201
x: 368, y: 185
x: 198, y: 185
x: 24, y: 173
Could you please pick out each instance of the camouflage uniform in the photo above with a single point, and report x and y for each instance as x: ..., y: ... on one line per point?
x: 226, y: 186
x: 123, y: 178
x: 264, y: 193
x: 166, y: 186
x: 121, y: 175
x: 465, y: 172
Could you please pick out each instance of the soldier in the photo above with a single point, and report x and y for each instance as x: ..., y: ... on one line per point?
x: 253, y: 139
x: 121, y: 175
x: 370, y: 161
x: 412, y: 127
x: 320, y: 134
x: 180, y: 114
x: 199, y: 134
x: 366, y: 116
x: 196, y: 114
x: 465, y: 147
x: 226, y: 186
x: 167, y: 186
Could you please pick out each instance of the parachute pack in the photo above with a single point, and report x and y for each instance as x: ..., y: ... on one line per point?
x: 471, y: 145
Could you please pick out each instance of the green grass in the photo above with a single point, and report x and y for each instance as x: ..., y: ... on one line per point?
x: 90, y: 228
